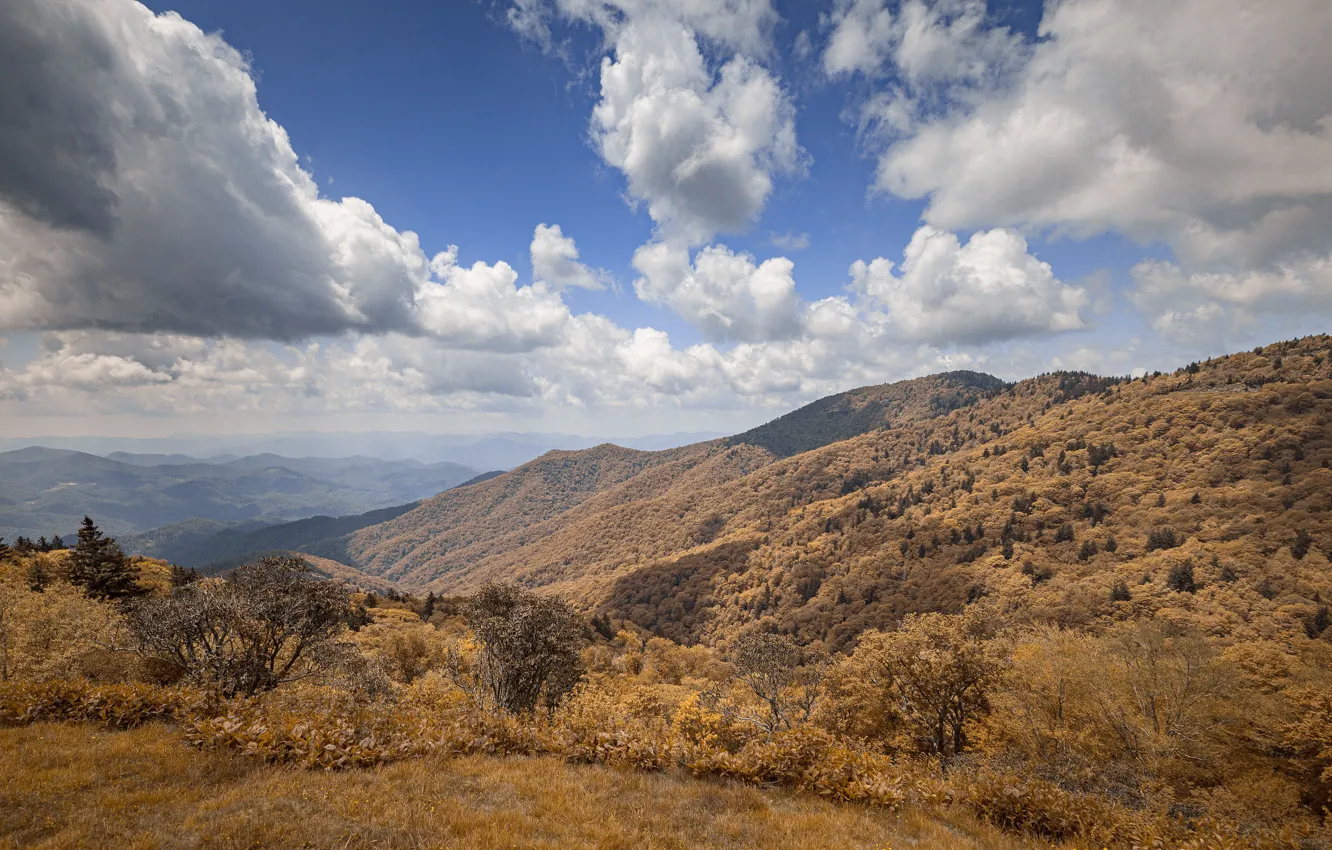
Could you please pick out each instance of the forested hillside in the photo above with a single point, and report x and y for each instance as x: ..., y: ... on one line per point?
x: 545, y: 512
x: 1203, y: 494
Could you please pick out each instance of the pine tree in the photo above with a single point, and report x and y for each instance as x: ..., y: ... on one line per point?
x: 1181, y: 578
x: 1300, y: 547
x: 57, y: 544
x: 99, y: 565
x: 38, y: 577
x: 1318, y: 622
x: 182, y: 576
x: 429, y: 610
x: 1120, y: 592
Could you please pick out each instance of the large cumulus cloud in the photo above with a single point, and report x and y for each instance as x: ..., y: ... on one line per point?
x: 143, y: 189
x: 1205, y: 125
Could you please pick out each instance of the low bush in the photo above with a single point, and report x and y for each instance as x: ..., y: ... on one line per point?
x: 319, y: 728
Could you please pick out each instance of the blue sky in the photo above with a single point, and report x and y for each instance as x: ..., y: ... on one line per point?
x: 1111, y: 187
x: 454, y: 127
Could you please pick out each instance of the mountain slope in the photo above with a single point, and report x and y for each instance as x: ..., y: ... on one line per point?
x: 538, y: 511
x: 455, y: 520
x: 1202, y: 496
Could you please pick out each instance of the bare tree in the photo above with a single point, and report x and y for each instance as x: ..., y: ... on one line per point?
x: 259, y: 628
x: 528, y: 647
x: 771, y: 667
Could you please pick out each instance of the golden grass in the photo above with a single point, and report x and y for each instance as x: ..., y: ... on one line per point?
x: 75, y: 785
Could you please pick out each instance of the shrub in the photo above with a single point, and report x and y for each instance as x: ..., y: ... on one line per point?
x: 769, y: 666
x: 267, y: 624
x: 937, y: 669
x: 1300, y: 547
x: 1028, y: 805
x: 528, y: 647
x: 117, y: 706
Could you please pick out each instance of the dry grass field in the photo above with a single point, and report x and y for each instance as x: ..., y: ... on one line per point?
x: 75, y: 785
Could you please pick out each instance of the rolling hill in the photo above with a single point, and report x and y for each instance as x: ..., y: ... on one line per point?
x: 47, y: 491
x: 1202, y: 495
x: 214, y: 546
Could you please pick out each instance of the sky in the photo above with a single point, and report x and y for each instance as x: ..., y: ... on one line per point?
x: 623, y: 217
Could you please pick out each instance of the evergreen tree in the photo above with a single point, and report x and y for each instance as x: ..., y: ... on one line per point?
x: 100, y: 566
x: 182, y: 576
x: 38, y: 577
x: 4, y: 547
x: 1120, y: 592
x: 1318, y: 622
x: 1300, y: 547
x: 1181, y: 578
x: 43, y: 545
x: 429, y: 610
x: 57, y: 544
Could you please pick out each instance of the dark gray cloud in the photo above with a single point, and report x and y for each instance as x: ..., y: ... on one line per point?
x: 142, y: 189
x: 55, y: 146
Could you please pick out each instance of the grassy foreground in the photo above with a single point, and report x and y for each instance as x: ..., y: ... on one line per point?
x: 77, y: 785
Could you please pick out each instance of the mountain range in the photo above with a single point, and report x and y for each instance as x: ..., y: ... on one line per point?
x: 47, y: 491
x: 1200, y: 496
x: 489, y: 451
x: 1193, y: 495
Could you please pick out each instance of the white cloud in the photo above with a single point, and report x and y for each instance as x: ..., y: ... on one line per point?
x: 728, y: 296
x: 555, y: 261
x: 987, y: 290
x: 482, y: 307
x: 924, y: 44
x: 699, y: 150
x: 803, y: 46
x: 1196, y: 307
x: 862, y: 37
x: 740, y: 25
x: 698, y: 138
x: 531, y: 20
x: 1203, y: 124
